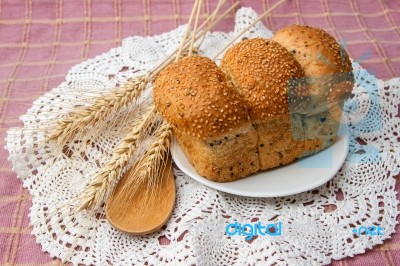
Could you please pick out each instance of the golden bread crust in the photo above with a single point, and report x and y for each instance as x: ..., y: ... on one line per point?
x: 325, y: 63
x: 316, y: 51
x: 196, y: 97
x: 260, y: 70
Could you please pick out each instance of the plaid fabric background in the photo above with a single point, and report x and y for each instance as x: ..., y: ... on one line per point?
x: 41, y: 40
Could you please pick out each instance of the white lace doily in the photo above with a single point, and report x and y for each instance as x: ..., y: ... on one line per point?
x: 317, y: 225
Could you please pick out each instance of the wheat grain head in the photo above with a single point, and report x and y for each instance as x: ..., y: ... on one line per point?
x: 97, y: 189
x: 103, y: 106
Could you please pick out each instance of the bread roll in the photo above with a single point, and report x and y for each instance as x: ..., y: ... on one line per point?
x: 210, y: 120
x: 261, y: 70
x: 271, y: 102
x: 328, y: 81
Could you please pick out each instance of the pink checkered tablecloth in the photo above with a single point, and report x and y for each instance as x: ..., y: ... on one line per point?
x: 41, y: 40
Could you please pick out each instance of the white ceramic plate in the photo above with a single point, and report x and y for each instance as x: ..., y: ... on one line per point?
x: 302, y: 175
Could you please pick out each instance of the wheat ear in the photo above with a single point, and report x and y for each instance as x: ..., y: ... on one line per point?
x: 94, y: 194
x: 102, y: 106
x: 155, y: 156
x: 149, y: 168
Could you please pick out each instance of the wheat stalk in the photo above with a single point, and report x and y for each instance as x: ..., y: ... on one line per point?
x: 149, y: 168
x: 109, y: 175
x: 102, y: 106
x: 111, y: 172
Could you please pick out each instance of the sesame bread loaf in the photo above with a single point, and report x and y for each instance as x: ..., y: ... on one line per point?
x: 328, y: 81
x: 261, y: 70
x: 269, y: 103
x: 210, y: 120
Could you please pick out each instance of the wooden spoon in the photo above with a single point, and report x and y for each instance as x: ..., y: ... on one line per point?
x: 134, y: 218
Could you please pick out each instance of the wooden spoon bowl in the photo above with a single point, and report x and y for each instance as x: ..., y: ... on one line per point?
x: 148, y: 210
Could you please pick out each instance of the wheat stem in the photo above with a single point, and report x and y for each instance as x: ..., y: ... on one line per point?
x: 185, y: 35
x: 195, y: 27
x: 249, y: 27
x: 211, y: 18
